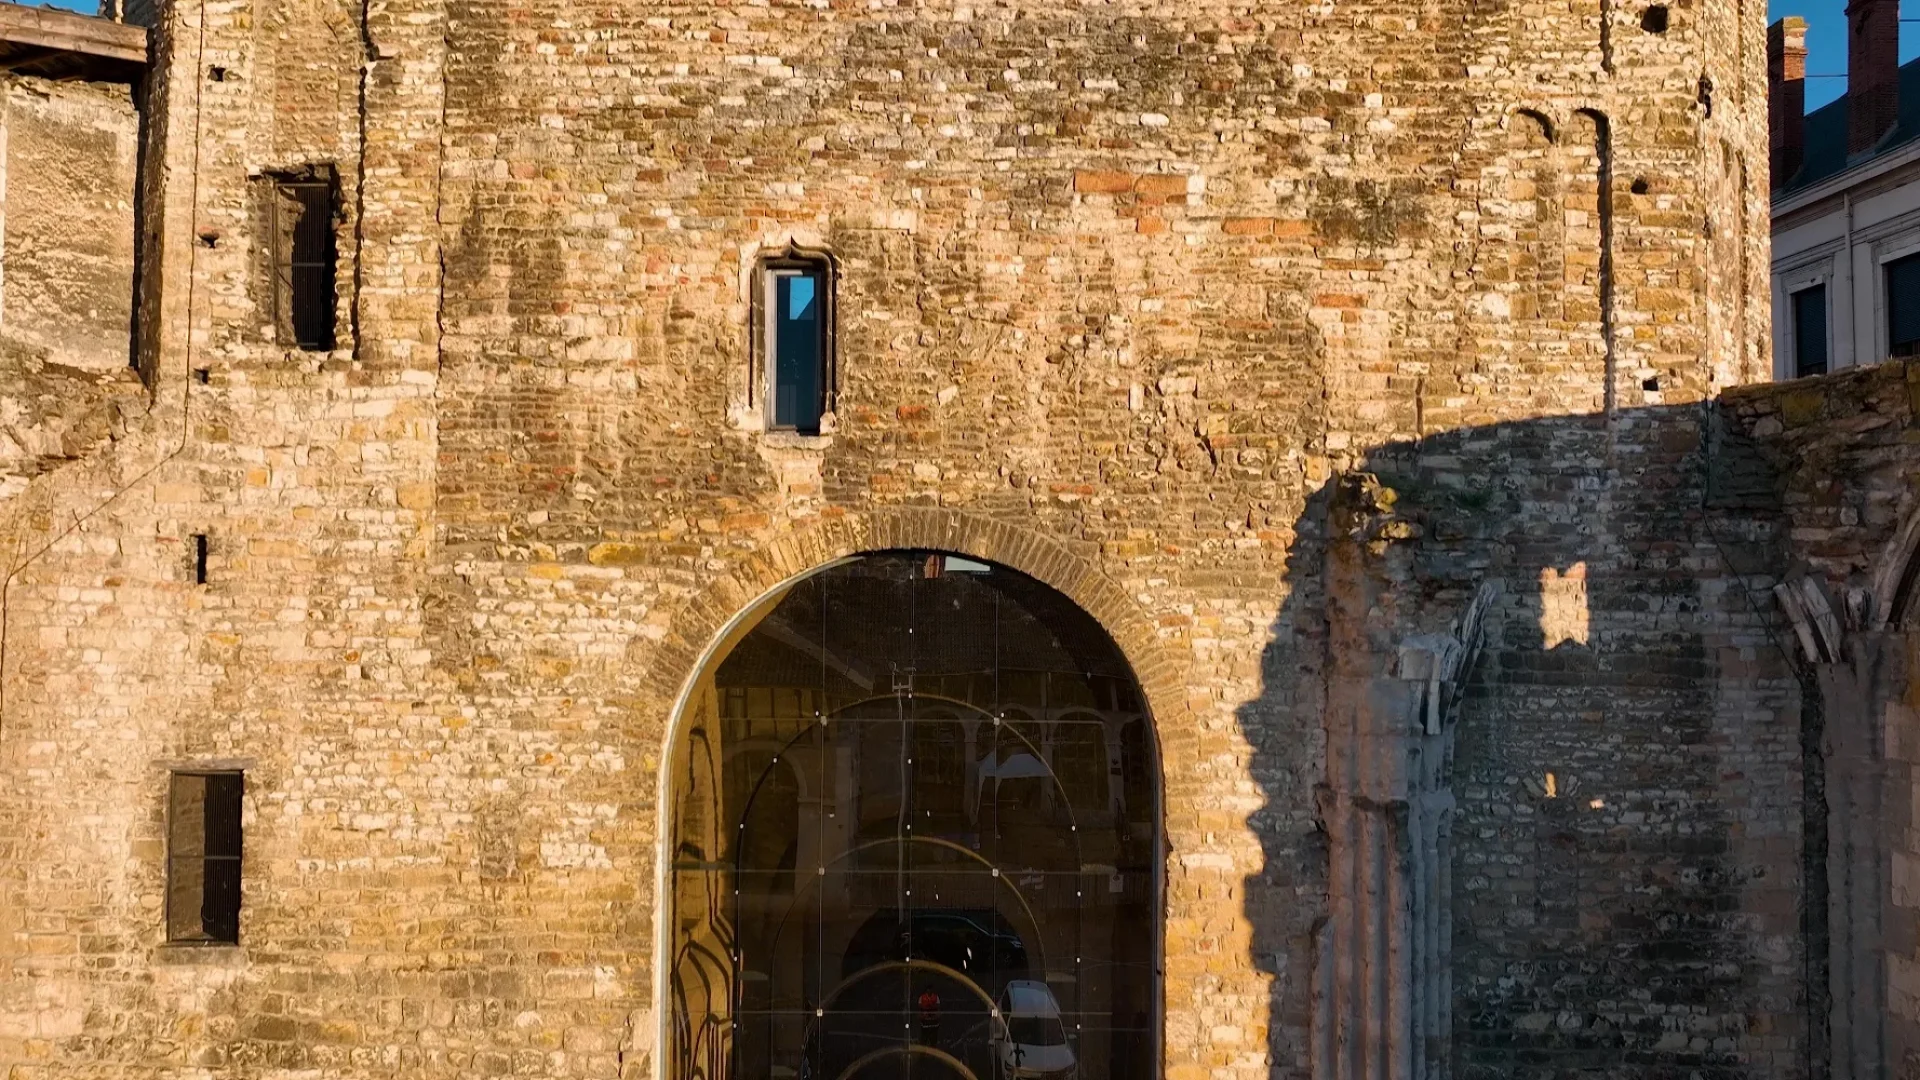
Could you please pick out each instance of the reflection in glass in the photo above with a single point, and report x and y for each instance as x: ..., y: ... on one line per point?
x: 915, y: 833
x: 799, y: 351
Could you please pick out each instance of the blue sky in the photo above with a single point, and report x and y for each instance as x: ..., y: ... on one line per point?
x: 1826, y: 38
x: 1827, y: 41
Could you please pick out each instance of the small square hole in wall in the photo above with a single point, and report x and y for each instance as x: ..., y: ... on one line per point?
x: 1656, y: 19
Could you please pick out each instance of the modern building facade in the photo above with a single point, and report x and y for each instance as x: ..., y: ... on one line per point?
x: 1846, y: 201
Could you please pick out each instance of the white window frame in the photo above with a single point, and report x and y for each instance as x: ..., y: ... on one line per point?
x: 1886, y: 252
x: 1815, y: 273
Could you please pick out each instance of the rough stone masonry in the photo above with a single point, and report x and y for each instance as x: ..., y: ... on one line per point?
x: 1358, y: 365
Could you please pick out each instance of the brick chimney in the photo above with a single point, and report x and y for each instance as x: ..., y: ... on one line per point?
x: 1787, y: 97
x: 1873, y: 72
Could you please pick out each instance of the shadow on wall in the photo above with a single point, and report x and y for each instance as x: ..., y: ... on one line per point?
x: 1602, y: 873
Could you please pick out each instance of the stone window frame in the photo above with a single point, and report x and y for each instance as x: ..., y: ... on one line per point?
x: 765, y: 265
x: 271, y: 183
x: 175, y: 773
x: 1815, y: 271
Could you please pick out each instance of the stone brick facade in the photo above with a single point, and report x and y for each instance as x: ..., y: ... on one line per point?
x: 1842, y: 451
x: 1354, y: 365
x: 66, y: 214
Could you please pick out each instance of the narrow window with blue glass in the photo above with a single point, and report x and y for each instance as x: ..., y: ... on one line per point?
x: 796, y: 335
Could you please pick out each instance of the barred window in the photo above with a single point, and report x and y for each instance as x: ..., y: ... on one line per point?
x: 203, y: 857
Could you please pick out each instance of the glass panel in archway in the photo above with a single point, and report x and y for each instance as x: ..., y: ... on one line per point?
x: 915, y: 835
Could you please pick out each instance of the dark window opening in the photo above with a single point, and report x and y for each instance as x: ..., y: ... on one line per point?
x: 200, y: 559
x: 1810, y: 332
x: 1903, y: 307
x: 203, y: 858
x: 1654, y: 21
x: 796, y: 335
x: 300, y: 231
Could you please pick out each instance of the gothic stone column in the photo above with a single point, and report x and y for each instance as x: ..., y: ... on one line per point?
x: 1859, y: 674
x: 1383, y: 991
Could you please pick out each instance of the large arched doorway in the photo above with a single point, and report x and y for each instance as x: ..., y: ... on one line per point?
x: 916, y: 832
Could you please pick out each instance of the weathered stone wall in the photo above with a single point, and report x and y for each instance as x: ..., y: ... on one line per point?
x: 1628, y: 766
x: 1124, y: 287
x: 66, y: 270
x: 72, y: 154
x: 1844, y: 452
x: 1840, y: 447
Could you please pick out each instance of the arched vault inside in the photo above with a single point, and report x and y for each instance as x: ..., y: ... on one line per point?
x: 916, y: 831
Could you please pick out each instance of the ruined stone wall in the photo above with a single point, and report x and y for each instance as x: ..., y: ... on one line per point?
x: 72, y: 154
x: 1843, y: 451
x: 66, y: 270
x: 1840, y: 447
x: 1123, y: 287
x: 1628, y: 766
x: 1603, y: 920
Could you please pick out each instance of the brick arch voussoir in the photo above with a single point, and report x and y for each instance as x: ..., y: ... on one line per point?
x: 700, y: 620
